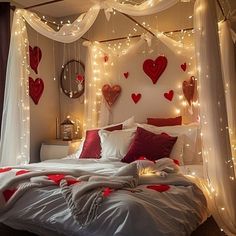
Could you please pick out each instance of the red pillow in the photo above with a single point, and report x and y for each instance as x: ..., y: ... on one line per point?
x: 165, y: 121
x: 92, y: 146
x: 152, y: 146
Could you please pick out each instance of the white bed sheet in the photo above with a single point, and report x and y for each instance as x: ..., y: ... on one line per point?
x: 44, y: 211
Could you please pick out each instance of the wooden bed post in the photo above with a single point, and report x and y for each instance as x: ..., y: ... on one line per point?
x: 4, y: 48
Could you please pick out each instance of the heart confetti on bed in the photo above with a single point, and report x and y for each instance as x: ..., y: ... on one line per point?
x: 8, y: 193
x: 2, y: 170
x: 56, y: 178
x: 36, y: 88
x: 136, y: 97
x: 169, y: 96
x: 22, y: 172
x: 154, y: 69
x: 159, y: 188
x: 35, y: 58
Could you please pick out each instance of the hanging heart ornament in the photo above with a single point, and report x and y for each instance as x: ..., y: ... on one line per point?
x: 36, y: 88
x: 188, y: 88
x: 35, y: 57
x: 154, y: 69
x: 111, y: 93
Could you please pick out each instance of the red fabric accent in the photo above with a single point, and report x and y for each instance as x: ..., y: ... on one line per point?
x: 35, y: 58
x: 159, y: 188
x: 136, y: 97
x: 92, y: 146
x: 154, y: 69
x: 152, y: 146
x: 165, y: 121
x: 176, y: 162
x: 21, y: 172
x: 169, y: 96
x: 107, y: 192
x: 56, y: 178
x: 2, y: 170
x: 184, y: 66
x: 71, y: 181
x: 8, y: 193
x: 36, y: 88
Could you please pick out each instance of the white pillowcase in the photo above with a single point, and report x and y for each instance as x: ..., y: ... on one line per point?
x: 188, y: 141
x: 115, y: 144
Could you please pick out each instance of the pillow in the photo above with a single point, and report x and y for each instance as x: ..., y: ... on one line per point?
x: 165, y: 121
x: 190, y: 139
x: 91, y: 146
x: 150, y: 145
x: 115, y: 144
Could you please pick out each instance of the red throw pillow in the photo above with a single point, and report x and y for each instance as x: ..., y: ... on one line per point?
x: 165, y: 121
x: 152, y: 146
x: 92, y: 146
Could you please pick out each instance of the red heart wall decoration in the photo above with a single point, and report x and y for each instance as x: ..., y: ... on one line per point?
x: 154, y: 69
x: 111, y: 93
x: 36, y: 88
x: 169, y: 96
x: 188, y: 88
x: 35, y: 57
x: 136, y: 97
x: 184, y: 66
x: 126, y: 75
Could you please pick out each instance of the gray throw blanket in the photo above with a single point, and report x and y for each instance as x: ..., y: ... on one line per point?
x: 85, y: 197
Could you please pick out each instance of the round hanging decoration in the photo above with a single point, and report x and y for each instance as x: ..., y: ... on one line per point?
x: 111, y: 93
x: 154, y: 69
x: 183, y: 66
x: 169, y: 96
x: 35, y: 57
x: 36, y: 88
x: 136, y: 97
x: 188, y: 88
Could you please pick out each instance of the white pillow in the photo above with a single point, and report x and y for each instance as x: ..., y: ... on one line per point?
x: 190, y: 140
x: 115, y: 144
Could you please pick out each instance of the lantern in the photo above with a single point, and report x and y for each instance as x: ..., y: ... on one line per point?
x: 67, y: 129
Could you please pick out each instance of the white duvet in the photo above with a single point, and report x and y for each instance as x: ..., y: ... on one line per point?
x: 178, y: 211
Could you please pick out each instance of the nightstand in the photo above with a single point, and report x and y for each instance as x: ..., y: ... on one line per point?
x: 56, y: 149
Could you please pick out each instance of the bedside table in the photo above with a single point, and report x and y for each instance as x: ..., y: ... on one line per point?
x: 56, y: 149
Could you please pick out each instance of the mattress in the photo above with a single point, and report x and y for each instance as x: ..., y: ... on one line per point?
x: 44, y: 211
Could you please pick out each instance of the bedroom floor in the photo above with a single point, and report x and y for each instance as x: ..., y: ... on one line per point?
x: 209, y: 228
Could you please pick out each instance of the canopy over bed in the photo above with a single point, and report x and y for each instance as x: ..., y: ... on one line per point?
x: 216, y: 75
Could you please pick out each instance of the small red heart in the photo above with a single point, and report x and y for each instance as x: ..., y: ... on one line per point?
x: 21, y: 172
x: 106, y: 58
x: 184, y: 66
x: 160, y: 188
x: 36, y: 88
x: 35, y: 58
x: 80, y: 78
x: 136, y: 97
x: 56, y: 178
x: 2, y: 170
x: 8, y: 193
x: 71, y: 181
x: 126, y: 75
x: 169, y: 95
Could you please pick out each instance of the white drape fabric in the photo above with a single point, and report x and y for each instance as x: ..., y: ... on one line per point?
x: 15, y: 134
x: 218, y: 161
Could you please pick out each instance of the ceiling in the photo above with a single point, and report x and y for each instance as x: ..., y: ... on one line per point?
x: 62, y: 8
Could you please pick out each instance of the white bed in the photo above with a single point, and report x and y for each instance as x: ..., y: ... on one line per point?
x: 44, y: 211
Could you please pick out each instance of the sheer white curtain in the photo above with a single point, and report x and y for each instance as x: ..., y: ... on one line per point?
x: 217, y: 154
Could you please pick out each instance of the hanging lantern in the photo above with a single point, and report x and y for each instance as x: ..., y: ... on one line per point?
x: 67, y: 129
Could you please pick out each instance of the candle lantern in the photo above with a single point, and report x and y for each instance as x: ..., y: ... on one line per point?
x: 67, y: 130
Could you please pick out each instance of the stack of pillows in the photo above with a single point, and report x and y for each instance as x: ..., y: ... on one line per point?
x: 127, y: 141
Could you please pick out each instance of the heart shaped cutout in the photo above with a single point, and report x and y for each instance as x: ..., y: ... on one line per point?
x: 8, y: 193
x: 36, y: 88
x: 154, y: 69
x: 136, y: 97
x: 159, y: 188
x: 35, y: 57
x: 126, y: 75
x: 169, y: 96
x: 184, y: 66
x: 188, y: 88
x: 111, y: 93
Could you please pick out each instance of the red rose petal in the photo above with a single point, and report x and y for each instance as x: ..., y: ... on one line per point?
x: 8, y: 193
x: 2, y: 170
x: 56, y: 178
x: 21, y: 172
x: 159, y: 188
x: 107, y: 192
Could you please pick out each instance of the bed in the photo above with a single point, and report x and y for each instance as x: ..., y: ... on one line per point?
x: 159, y: 199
